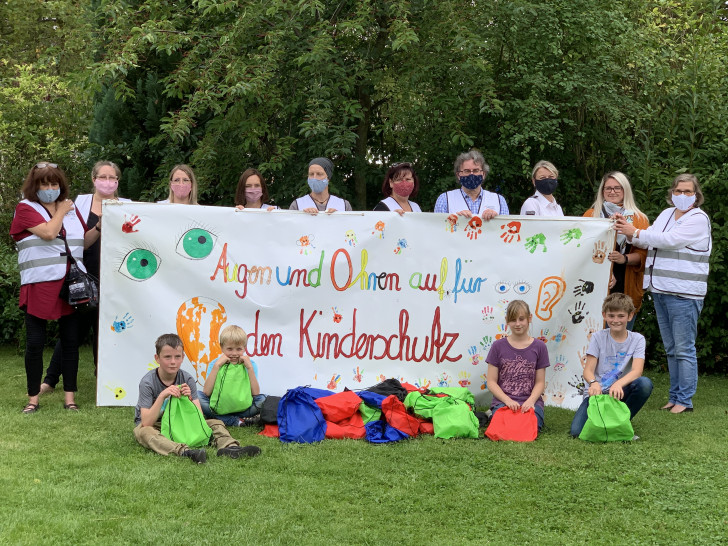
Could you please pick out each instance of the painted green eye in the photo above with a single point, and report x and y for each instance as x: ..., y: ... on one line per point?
x: 140, y: 264
x: 196, y: 244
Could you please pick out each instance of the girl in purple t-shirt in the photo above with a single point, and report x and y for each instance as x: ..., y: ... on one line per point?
x: 517, y: 365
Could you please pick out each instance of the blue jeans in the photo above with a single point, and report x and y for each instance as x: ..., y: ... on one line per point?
x: 635, y: 396
x: 537, y: 410
x: 678, y: 321
x: 230, y: 419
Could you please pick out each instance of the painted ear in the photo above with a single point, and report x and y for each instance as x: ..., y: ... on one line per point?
x: 550, y: 292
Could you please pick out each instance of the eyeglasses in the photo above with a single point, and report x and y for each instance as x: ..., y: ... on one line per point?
x: 112, y: 178
x: 468, y: 172
x: 44, y: 165
x: 613, y: 189
x: 683, y: 192
x: 181, y: 181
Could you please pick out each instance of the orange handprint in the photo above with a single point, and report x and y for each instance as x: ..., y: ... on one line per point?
x: 512, y: 231
x: 473, y: 228
x: 599, y: 253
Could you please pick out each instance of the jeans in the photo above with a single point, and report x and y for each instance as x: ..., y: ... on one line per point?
x: 635, y: 396
x: 678, y: 321
x: 35, y: 343
x: 87, y: 320
x: 537, y: 410
x: 230, y: 419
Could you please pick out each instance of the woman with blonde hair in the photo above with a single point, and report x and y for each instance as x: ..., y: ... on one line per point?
x: 545, y: 179
x: 614, y: 196
x: 182, y: 186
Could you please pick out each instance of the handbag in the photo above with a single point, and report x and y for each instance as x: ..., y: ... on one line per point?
x: 183, y: 422
x: 79, y: 288
x: 608, y: 420
x: 231, y: 393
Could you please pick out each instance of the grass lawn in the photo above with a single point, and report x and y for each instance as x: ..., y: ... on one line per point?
x: 80, y: 478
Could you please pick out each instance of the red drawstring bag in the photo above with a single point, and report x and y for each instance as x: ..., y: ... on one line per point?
x: 339, y: 406
x: 395, y: 414
x: 269, y: 430
x: 514, y: 426
x: 353, y: 427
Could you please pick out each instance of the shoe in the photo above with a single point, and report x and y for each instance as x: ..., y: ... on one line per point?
x: 668, y: 406
x: 45, y: 388
x: 30, y: 408
x: 235, y: 452
x: 72, y: 406
x: 198, y: 456
x: 249, y: 421
x: 677, y: 408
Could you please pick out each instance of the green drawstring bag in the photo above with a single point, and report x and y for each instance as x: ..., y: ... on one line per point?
x: 231, y: 393
x: 453, y: 418
x: 369, y: 414
x: 422, y: 404
x: 183, y: 422
x: 608, y: 420
x: 460, y: 393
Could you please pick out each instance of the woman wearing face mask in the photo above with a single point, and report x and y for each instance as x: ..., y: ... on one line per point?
x: 400, y: 183
x: 182, y: 186
x: 545, y: 178
x: 42, y: 221
x: 615, y: 197
x: 320, y: 200
x: 676, y: 272
x: 105, y: 177
x: 252, y: 192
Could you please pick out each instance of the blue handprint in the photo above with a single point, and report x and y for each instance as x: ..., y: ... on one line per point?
x: 125, y: 323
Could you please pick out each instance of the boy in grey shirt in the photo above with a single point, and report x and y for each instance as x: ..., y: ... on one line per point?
x: 615, y: 360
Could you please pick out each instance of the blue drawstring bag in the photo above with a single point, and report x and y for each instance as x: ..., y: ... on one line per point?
x: 379, y: 432
x: 299, y: 418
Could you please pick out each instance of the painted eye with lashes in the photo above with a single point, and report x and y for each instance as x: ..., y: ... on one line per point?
x: 502, y: 287
x: 140, y: 264
x: 196, y: 244
x: 521, y: 288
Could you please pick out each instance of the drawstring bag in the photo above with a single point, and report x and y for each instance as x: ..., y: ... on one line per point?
x: 299, y: 418
x: 608, y: 420
x: 514, y: 426
x: 231, y: 393
x: 269, y: 410
x: 389, y: 387
x: 453, y: 418
x: 183, y: 422
x: 459, y: 393
x: 395, y: 414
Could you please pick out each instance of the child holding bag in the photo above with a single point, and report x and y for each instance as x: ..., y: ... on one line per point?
x: 517, y: 365
x: 231, y: 392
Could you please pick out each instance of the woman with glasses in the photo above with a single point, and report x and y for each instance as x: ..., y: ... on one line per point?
x: 400, y: 183
x: 45, y: 223
x: 545, y: 178
x: 615, y: 197
x: 252, y: 191
x: 471, y: 199
x: 105, y: 177
x: 320, y: 171
x: 676, y: 273
x: 182, y: 186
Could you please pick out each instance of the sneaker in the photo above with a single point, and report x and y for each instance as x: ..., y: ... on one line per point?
x: 235, y: 452
x: 198, y: 456
x: 249, y: 421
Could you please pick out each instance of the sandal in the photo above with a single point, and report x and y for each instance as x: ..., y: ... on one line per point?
x: 30, y: 408
x: 72, y: 406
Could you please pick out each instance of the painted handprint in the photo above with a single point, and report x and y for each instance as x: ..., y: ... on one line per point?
x: 474, y: 228
x: 591, y: 327
x: 557, y: 395
x: 350, y: 238
x: 578, y: 314
x: 126, y: 322
x: 358, y: 374
x: 128, y: 225
x: 337, y: 315
x: 561, y: 362
x: 423, y: 383
x: 500, y: 331
x: 474, y: 355
x: 487, y: 313
x: 379, y: 229
x: 305, y: 242
x: 464, y: 380
x: 579, y: 384
x: 443, y: 380
x: 334, y: 382
x: 586, y: 287
x: 401, y: 245
x: 484, y: 384
x: 599, y: 252
x: 381, y: 377
x: 582, y: 357
x: 451, y: 223
x: 544, y: 335
x: 535, y: 240
x: 569, y: 235
x: 486, y: 343
x: 560, y: 335
x: 512, y: 231
x: 119, y: 392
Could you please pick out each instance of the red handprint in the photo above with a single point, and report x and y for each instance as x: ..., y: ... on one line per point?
x: 473, y: 228
x: 452, y: 223
x: 128, y: 225
x: 512, y: 231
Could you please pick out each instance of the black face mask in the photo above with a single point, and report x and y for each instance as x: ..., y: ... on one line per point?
x: 547, y: 186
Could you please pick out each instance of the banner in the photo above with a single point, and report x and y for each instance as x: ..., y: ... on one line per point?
x: 348, y: 299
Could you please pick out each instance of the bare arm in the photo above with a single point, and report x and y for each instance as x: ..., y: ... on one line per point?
x: 150, y: 415
x: 210, y: 379
x: 538, y: 388
x: 589, y: 375
x: 254, y: 387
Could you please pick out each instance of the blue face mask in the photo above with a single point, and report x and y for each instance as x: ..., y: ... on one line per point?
x: 471, y: 181
x: 547, y: 186
x: 316, y: 185
x: 48, y: 196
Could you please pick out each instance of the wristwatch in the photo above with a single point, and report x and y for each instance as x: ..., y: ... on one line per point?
x: 592, y: 381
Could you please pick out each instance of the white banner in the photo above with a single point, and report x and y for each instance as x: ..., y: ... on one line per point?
x: 345, y: 300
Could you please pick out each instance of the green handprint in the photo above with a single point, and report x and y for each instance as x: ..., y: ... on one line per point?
x: 533, y: 242
x: 569, y: 235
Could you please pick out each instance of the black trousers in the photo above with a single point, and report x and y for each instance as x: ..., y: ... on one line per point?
x: 87, y: 320
x: 35, y: 329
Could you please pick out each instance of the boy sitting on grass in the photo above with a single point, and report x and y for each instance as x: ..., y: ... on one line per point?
x: 156, y: 387
x: 233, y: 341
x: 610, y: 353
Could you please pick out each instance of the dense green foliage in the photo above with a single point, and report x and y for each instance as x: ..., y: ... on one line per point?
x: 633, y: 85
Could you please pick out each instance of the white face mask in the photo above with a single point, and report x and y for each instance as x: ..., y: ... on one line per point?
x: 683, y: 202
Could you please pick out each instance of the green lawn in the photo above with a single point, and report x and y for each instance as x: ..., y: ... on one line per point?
x: 80, y: 478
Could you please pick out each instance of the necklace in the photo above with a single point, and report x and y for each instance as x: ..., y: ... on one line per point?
x: 320, y: 202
